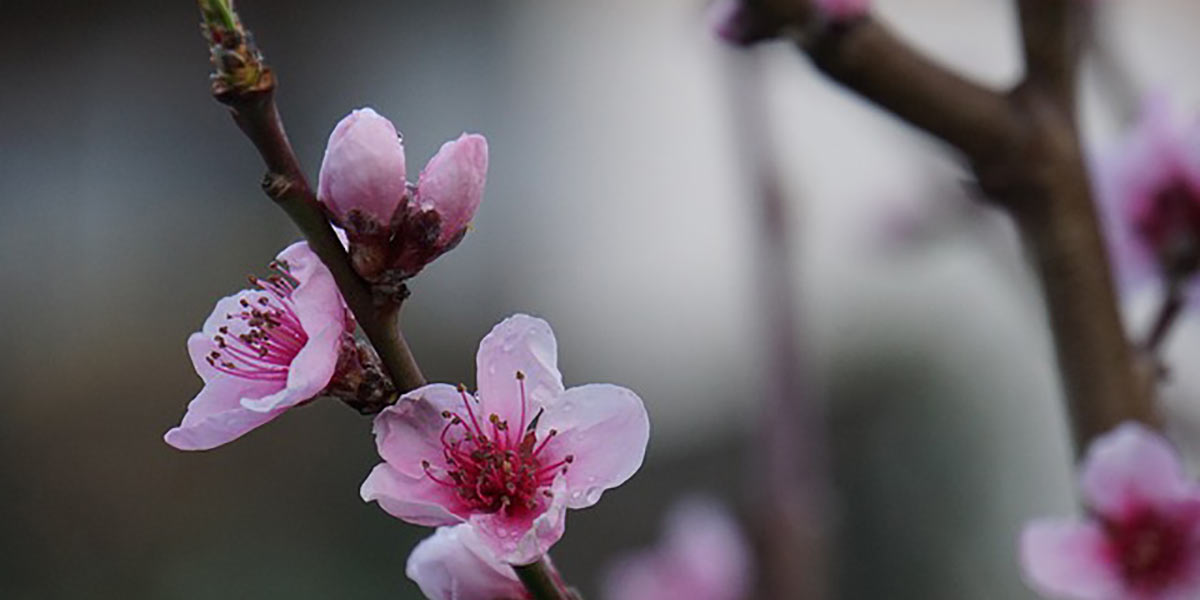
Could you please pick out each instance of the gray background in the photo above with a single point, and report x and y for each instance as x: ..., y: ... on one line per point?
x: 614, y: 208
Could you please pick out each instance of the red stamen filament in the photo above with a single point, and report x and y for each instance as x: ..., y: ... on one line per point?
x: 271, y: 335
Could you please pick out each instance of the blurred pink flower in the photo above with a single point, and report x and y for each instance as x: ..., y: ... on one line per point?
x: 455, y: 564
x: 511, y: 459
x: 740, y: 23
x: 1149, y: 192
x: 843, y: 10
x: 395, y: 228
x: 703, y: 556
x: 1142, y: 538
x: 264, y: 350
x: 731, y: 21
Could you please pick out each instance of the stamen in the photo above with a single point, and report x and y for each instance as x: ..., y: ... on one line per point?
x: 488, y: 470
x: 549, y: 436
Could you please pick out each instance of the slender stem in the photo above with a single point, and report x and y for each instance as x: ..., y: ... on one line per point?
x: 1168, y: 312
x: 542, y: 581
x: 245, y: 84
x: 791, y: 467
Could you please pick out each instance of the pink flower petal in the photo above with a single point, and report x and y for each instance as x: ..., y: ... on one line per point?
x: 1130, y: 468
x: 454, y: 564
x: 519, y: 541
x: 417, y: 500
x: 322, y: 314
x: 215, y: 416
x: 453, y: 181
x: 310, y: 372
x: 1068, y: 560
x: 318, y: 302
x: 363, y: 167
x: 409, y: 431
x: 519, y: 343
x: 605, y: 429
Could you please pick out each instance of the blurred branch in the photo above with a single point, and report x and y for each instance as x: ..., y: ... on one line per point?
x: 1053, y: 35
x: 1025, y: 150
x: 793, y: 524
x: 866, y: 57
x: 244, y: 82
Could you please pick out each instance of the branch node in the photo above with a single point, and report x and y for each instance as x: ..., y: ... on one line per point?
x: 277, y: 186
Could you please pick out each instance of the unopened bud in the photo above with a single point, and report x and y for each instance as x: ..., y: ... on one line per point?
x: 451, y: 185
x: 362, y: 180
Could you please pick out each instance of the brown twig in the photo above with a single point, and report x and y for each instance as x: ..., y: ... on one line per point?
x: 868, y: 58
x: 1025, y: 150
x: 244, y: 83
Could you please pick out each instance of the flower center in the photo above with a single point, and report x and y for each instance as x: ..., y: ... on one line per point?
x: 260, y: 341
x: 495, y: 468
x: 1170, y: 225
x: 1150, y: 548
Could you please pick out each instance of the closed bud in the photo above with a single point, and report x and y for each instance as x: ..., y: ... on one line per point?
x: 395, y: 228
x: 362, y: 180
x: 451, y: 185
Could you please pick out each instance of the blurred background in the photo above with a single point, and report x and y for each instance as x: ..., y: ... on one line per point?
x: 616, y: 209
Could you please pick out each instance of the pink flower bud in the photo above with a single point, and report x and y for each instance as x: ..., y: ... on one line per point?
x: 363, y: 170
x: 452, y: 184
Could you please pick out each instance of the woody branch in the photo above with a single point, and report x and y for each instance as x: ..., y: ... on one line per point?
x: 1024, y: 148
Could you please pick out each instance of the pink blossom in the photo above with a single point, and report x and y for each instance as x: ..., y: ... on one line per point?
x: 1141, y: 540
x: 511, y: 459
x: 1149, y: 192
x: 363, y: 169
x: 264, y: 350
x: 455, y: 564
x: 703, y: 556
x: 452, y: 183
